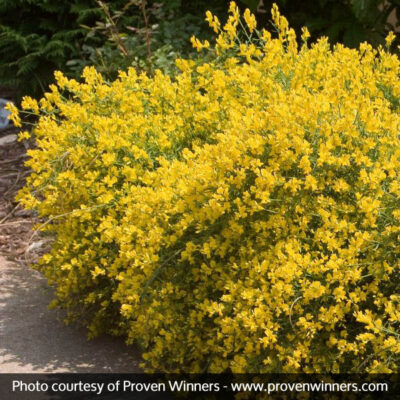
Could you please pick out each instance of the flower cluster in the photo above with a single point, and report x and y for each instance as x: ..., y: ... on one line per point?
x: 243, y: 216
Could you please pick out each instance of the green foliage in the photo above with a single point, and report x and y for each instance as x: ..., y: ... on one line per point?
x: 350, y: 22
x: 37, y: 37
x: 252, y: 4
x: 145, y: 34
x: 40, y: 36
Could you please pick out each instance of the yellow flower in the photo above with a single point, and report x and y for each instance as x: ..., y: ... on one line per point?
x: 389, y: 38
x: 305, y: 34
x: 14, y: 114
x: 250, y: 20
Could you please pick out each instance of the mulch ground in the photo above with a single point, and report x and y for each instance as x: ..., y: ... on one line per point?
x: 16, y: 223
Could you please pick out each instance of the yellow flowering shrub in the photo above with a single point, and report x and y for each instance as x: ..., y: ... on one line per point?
x: 243, y: 216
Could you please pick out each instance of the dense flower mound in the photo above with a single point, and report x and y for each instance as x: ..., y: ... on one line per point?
x: 243, y: 216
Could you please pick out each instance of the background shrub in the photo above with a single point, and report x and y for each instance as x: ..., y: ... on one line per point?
x: 243, y: 216
x: 346, y: 21
x: 39, y: 36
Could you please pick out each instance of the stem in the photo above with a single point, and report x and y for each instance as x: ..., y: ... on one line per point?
x: 146, y: 22
x: 114, y: 29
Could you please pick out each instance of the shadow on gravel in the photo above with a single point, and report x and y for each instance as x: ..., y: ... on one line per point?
x: 34, y: 339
